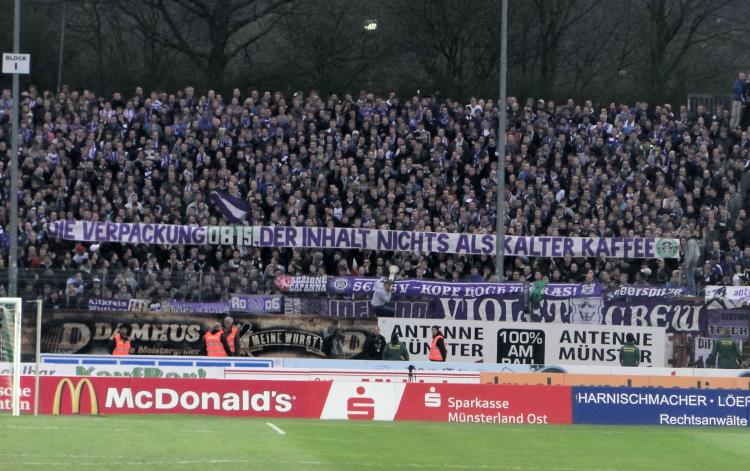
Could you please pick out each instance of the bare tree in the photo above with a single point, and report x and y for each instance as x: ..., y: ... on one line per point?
x: 676, y: 27
x: 555, y: 19
x: 597, y: 53
x: 213, y: 32
x: 457, y: 46
x: 145, y: 23
x: 330, y: 49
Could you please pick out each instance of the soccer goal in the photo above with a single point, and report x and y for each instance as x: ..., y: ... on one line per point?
x: 10, y: 355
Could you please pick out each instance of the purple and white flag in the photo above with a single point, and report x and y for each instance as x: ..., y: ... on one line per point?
x: 233, y: 208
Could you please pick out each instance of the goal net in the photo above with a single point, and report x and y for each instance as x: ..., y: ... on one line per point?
x: 10, y: 355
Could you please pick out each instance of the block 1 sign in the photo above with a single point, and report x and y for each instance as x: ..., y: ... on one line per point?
x: 16, y: 63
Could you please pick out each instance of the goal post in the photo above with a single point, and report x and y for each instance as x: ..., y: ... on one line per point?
x: 10, y: 349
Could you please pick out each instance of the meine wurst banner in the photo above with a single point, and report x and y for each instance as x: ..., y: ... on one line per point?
x: 364, y: 239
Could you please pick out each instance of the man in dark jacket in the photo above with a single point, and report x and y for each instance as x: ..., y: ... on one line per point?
x: 374, y: 345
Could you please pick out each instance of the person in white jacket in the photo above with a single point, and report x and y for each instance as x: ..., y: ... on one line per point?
x: 381, y: 297
x: 690, y: 263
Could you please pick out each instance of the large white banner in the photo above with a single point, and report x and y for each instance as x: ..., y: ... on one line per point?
x: 727, y: 297
x: 366, y: 239
x: 527, y: 343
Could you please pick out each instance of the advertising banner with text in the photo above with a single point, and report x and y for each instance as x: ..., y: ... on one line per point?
x: 660, y: 406
x: 364, y: 239
x: 101, y: 395
x: 341, y: 400
x: 264, y: 335
x: 527, y: 343
x: 646, y: 306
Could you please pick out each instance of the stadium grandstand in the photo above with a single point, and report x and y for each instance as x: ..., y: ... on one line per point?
x: 367, y: 161
x: 245, y: 233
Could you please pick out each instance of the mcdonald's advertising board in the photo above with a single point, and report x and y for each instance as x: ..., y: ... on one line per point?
x: 466, y: 403
x: 306, y: 399
x: 110, y: 395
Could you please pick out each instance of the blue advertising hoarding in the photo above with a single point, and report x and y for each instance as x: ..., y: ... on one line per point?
x: 661, y: 406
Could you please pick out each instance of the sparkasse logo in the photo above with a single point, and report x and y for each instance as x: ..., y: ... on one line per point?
x: 360, y: 408
x: 169, y: 399
x: 432, y: 398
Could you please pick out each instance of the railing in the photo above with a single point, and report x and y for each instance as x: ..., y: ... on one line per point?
x: 126, y: 284
x: 710, y: 102
x: 140, y: 284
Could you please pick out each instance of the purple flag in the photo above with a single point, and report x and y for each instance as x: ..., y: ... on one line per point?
x: 233, y: 208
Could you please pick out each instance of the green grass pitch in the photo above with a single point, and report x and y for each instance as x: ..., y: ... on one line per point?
x: 200, y: 443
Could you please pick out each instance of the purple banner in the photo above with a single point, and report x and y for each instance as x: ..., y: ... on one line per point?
x: 220, y: 307
x: 672, y: 314
x: 364, y: 239
x: 478, y: 244
x: 509, y: 308
x: 348, y: 309
x: 736, y: 320
x: 257, y: 304
x: 646, y: 291
x: 120, y: 305
x: 301, y: 284
x: 506, y: 302
x: 560, y: 305
x: 108, y: 305
x: 352, y: 286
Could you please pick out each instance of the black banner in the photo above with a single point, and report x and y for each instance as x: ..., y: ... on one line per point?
x: 182, y: 334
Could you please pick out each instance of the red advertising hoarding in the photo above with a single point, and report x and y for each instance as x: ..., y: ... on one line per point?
x: 500, y: 404
x: 484, y: 403
x: 109, y: 395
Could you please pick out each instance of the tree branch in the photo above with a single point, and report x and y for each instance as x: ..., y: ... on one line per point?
x: 181, y: 44
x: 195, y: 7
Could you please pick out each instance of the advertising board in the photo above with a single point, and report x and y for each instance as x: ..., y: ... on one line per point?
x: 305, y: 399
x: 523, y: 343
x: 472, y: 403
x: 659, y: 406
x: 100, y: 395
x: 180, y: 333
x: 486, y: 404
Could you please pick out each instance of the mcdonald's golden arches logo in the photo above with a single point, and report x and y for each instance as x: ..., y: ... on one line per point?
x: 75, y: 396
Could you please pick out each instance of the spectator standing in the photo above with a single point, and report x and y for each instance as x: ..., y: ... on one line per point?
x: 375, y: 345
x: 737, y: 100
x: 745, y: 121
x: 333, y: 345
x: 381, y: 297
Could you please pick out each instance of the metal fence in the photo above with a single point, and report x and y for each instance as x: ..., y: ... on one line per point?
x: 712, y: 103
x: 73, y: 287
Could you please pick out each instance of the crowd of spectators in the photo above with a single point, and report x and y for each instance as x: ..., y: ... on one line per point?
x: 574, y: 169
